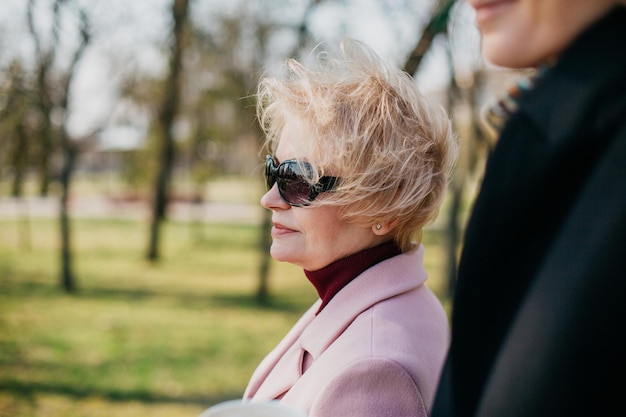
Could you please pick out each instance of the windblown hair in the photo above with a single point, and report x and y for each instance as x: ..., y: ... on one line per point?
x: 367, y: 123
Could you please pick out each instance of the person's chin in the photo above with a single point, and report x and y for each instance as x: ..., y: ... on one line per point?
x: 498, y: 50
x: 282, y: 252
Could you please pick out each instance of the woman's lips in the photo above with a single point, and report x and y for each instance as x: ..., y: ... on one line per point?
x: 280, y: 229
x: 488, y: 9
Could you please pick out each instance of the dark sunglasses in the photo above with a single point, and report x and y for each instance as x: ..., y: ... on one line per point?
x: 293, y: 180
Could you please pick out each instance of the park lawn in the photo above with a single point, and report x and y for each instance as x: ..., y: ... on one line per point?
x: 140, y: 339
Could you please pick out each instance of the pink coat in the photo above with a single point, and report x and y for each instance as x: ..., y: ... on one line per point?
x: 375, y: 350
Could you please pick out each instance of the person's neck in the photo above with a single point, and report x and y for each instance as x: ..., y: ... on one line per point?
x: 329, y: 280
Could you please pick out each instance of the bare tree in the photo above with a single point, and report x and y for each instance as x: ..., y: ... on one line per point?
x: 167, y: 114
x: 69, y: 149
x: 53, y: 90
x: 44, y: 60
x: 438, y: 24
x: 16, y: 140
x: 14, y: 126
x: 474, y: 142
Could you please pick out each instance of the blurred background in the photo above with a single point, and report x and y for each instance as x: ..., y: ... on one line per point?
x: 135, y: 276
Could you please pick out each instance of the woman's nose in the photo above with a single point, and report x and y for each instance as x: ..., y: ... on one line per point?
x: 272, y: 199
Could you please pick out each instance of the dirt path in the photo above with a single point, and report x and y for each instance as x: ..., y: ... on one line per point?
x: 97, y: 207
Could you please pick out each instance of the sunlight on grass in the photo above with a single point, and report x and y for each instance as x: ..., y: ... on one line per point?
x: 137, y: 338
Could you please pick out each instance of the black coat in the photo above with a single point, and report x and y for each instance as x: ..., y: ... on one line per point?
x: 540, y: 311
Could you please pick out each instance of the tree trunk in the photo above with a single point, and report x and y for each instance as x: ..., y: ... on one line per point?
x: 68, y: 280
x: 20, y: 165
x: 438, y: 24
x: 166, y: 119
x: 20, y: 159
x: 453, y: 233
x: 45, y: 128
x: 265, y: 243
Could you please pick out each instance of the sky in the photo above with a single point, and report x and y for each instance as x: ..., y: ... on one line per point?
x: 133, y: 31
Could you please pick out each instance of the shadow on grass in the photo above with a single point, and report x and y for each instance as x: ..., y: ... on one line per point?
x: 235, y: 300
x: 30, y: 390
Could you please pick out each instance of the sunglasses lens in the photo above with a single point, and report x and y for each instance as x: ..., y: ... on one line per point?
x: 292, y: 184
x: 295, y: 191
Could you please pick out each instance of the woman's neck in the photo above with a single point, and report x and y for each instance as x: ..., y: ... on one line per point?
x: 329, y: 280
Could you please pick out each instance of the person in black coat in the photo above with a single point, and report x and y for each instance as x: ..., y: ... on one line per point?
x: 539, y: 314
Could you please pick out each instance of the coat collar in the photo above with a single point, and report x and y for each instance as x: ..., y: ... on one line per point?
x: 384, y: 280
x: 314, y: 333
x: 582, y: 74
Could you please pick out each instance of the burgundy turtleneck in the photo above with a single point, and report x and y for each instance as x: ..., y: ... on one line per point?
x: 329, y: 280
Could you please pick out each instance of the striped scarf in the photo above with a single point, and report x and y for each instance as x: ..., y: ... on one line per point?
x: 496, y: 114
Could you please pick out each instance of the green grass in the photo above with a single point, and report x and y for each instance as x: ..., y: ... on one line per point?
x: 139, y: 339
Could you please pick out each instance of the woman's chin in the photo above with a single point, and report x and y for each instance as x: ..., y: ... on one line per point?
x: 281, y: 253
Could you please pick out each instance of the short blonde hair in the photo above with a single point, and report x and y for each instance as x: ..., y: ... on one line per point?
x: 369, y: 124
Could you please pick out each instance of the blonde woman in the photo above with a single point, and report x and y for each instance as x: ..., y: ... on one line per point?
x: 358, y: 165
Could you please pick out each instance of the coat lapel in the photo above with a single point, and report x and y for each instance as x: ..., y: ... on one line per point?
x: 284, y: 374
x: 284, y: 363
